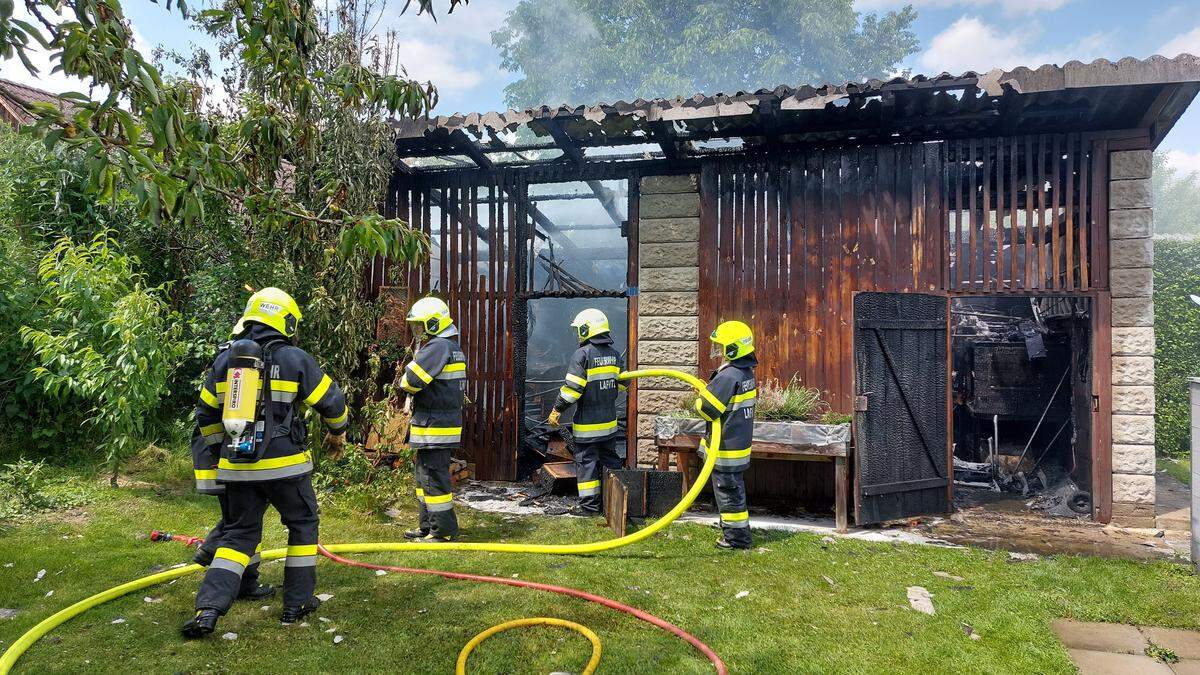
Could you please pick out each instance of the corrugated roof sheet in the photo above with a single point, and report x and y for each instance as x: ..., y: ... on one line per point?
x: 1021, y: 80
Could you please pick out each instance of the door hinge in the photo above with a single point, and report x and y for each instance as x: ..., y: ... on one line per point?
x: 860, y: 403
x: 1095, y: 403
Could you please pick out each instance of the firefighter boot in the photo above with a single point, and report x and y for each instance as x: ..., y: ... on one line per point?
x: 294, y: 614
x: 257, y: 592
x: 202, y: 624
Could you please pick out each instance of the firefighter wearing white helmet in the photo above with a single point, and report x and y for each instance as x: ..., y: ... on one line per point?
x: 591, y: 386
x: 730, y: 396
x: 435, y: 381
x: 250, y: 443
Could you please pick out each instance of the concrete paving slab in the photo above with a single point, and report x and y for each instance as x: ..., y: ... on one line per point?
x: 1185, y: 643
x: 1117, y: 638
x: 1105, y: 663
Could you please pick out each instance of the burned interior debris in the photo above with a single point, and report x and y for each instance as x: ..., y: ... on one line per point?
x: 1022, y: 401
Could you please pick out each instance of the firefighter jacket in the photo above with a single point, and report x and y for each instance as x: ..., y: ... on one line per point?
x: 436, y: 380
x: 730, y: 396
x: 591, y: 385
x: 294, y: 379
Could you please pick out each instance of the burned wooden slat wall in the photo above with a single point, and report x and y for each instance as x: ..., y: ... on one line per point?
x: 472, y: 227
x: 789, y: 240
x: 1022, y: 215
x: 794, y: 238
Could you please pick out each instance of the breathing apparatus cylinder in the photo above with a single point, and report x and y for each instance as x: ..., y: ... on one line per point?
x: 243, y: 388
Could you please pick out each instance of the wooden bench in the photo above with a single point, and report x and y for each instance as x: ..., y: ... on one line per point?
x: 685, y: 447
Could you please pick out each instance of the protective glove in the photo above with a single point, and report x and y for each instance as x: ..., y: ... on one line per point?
x: 552, y: 420
x: 335, y: 444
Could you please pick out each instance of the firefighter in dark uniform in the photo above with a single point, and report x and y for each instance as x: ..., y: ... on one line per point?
x: 435, y: 380
x: 730, y: 397
x: 278, y: 472
x: 591, y: 385
x: 206, y: 453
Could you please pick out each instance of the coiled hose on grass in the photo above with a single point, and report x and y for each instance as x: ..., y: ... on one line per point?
x: 23, y: 643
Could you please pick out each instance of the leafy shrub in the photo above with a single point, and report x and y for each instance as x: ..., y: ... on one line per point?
x: 1177, y: 331
x: 102, y: 341
x: 24, y: 491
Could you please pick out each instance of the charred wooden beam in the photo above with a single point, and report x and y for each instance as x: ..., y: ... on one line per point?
x: 567, y: 144
x: 662, y: 134
x: 468, y: 147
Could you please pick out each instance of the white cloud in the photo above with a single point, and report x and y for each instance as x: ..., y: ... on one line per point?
x: 972, y: 44
x: 1188, y: 43
x: 1186, y: 163
x: 1008, y: 6
x: 430, y: 61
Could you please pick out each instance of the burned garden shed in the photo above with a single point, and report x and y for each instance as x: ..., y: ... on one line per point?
x: 905, y: 246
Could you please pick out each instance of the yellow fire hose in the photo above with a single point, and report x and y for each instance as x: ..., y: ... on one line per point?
x: 14, y: 652
x: 460, y: 668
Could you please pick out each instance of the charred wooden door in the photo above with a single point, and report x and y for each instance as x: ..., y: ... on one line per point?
x: 901, y: 415
x: 474, y: 231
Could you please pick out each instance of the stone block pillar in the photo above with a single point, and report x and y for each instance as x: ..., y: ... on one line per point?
x: 668, y: 297
x: 1130, y: 222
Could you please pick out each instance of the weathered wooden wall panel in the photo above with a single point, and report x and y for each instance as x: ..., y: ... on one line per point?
x: 793, y: 239
x: 787, y: 241
x: 473, y: 232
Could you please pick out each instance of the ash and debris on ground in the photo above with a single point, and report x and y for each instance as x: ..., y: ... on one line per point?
x: 524, y: 498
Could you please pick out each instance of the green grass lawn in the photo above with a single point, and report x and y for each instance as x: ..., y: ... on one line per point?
x: 813, y: 606
x: 1180, y: 469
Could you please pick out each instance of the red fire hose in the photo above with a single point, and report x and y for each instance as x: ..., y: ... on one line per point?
x: 562, y: 590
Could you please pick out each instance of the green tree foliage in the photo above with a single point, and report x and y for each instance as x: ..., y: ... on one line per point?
x: 281, y: 188
x: 585, y: 51
x: 103, y: 341
x: 1177, y: 332
x: 1176, y: 199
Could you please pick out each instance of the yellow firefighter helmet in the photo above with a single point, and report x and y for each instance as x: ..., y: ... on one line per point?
x: 734, y: 338
x: 432, y: 313
x: 271, y: 307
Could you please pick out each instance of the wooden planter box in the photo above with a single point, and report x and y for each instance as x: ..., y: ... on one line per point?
x: 786, y: 441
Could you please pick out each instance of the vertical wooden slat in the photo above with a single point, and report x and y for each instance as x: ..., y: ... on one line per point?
x: 1069, y: 205
x: 935, y: 218
x: 917, y: 189
x: 1055, y: 203
x: 868, y: 236
x: 987, y: 263
x: 1099, y: 214
x: 1082, y: 225
x: 1016, y: 281
x: 973, y: 262
x: 1001, y: 281
x: 946, y: 220
x: 1039, y: 227
x: 885, y: 182
x: 813, y: 272
x: 1030, y: 251
x: 957, y: 146
x: 798, y: 265
x: 902, y: 272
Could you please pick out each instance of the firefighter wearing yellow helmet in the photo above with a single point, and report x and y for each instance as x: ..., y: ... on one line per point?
x: 251, y: 422
x: 591, y: 386
x: 730, y: 397
x: 435, y: 382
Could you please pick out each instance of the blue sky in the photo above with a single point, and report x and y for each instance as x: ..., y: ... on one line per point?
x: 955, y: 35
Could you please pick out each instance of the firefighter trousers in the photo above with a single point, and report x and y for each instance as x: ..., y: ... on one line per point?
x: 296, y: 503
x: 435, y: 494
x: 208, y: 548
x: 591, y: 459
x: 729, y: 488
